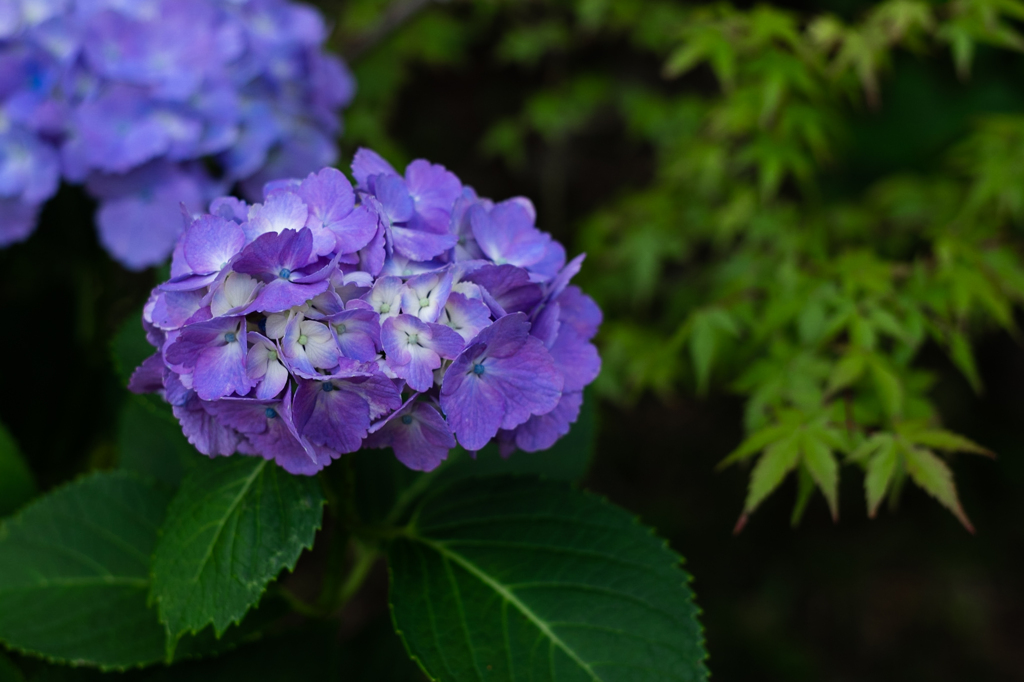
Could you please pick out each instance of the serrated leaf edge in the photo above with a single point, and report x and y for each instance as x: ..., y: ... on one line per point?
x: 636, y: 521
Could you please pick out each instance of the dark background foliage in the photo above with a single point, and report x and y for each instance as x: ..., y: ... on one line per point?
x: 908, y: 595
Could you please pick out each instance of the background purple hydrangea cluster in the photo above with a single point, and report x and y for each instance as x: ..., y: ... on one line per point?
x: 134, y: 98
x: 407, y: 313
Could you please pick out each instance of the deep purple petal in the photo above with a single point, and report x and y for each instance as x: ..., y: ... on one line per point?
x: 419, y: 436
x: 203, y: 430
x: 281, y: 295
x: 149, y: 376
x: 196, y: 338
x: 334, y: 418
x: 505, y: 336
x: 510, y: 287
x: 503, y: 362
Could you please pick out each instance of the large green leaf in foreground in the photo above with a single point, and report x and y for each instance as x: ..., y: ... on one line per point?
x: 74, y: 573
x: 235, y: 523
x: 517, y: 579
x: 16, y: 482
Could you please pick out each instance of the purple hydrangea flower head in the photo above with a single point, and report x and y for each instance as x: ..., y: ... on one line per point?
x: 138, y: 100
x: 281, y: 335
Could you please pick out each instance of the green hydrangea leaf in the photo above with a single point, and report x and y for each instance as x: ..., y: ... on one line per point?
x: 74, y: 573
x: 17, y: 485
x: 514, y: 578
x: 234, y: 525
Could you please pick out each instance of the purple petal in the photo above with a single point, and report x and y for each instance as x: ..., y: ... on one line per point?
x: 509, y: 286
x: 414, y: 349
x: 419, y: 245
x: 371, y: 256
x: 379, y: 392
x: 503, y: 362
x: 17, y: 220
x: 467, y: 316
x: 474, y: 408
x: 580, y: 311
x: 419, y: 436
x: 505, y: 336
x: 507, y: 235
x: 272, y: 253
x: 196, y: 338
x: 550, y: 265
x: 540, y: 432
x: 434, y: 190
x: 264, y: 367
x: 267, y: 426
x: 172, y: 308
x: 546, y: 324
x: 367, y: 163
x: 230, y: 208
x: 203, y: 430
x: 328, y: 415
x: 280, y: 212
x: 576, y: 358
x: 220, y: 371
x: 281, y: 295
x: 355, y: 231
x: 211, y: 242
x: 527, y: 379
x: 358, y: 333
x: 149, y: 376
x: 328, y: 197
x: 189, y: 282
x: 394, y: 196
x: 563, y: 278
x: 425, y: 295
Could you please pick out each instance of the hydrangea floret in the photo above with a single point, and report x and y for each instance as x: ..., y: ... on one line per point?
x: 406, y: 312
x: 155, y: 103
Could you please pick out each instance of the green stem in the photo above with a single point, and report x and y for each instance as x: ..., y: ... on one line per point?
x: 297, y: 604
x: 410, y: 494
x: 365, y: 558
